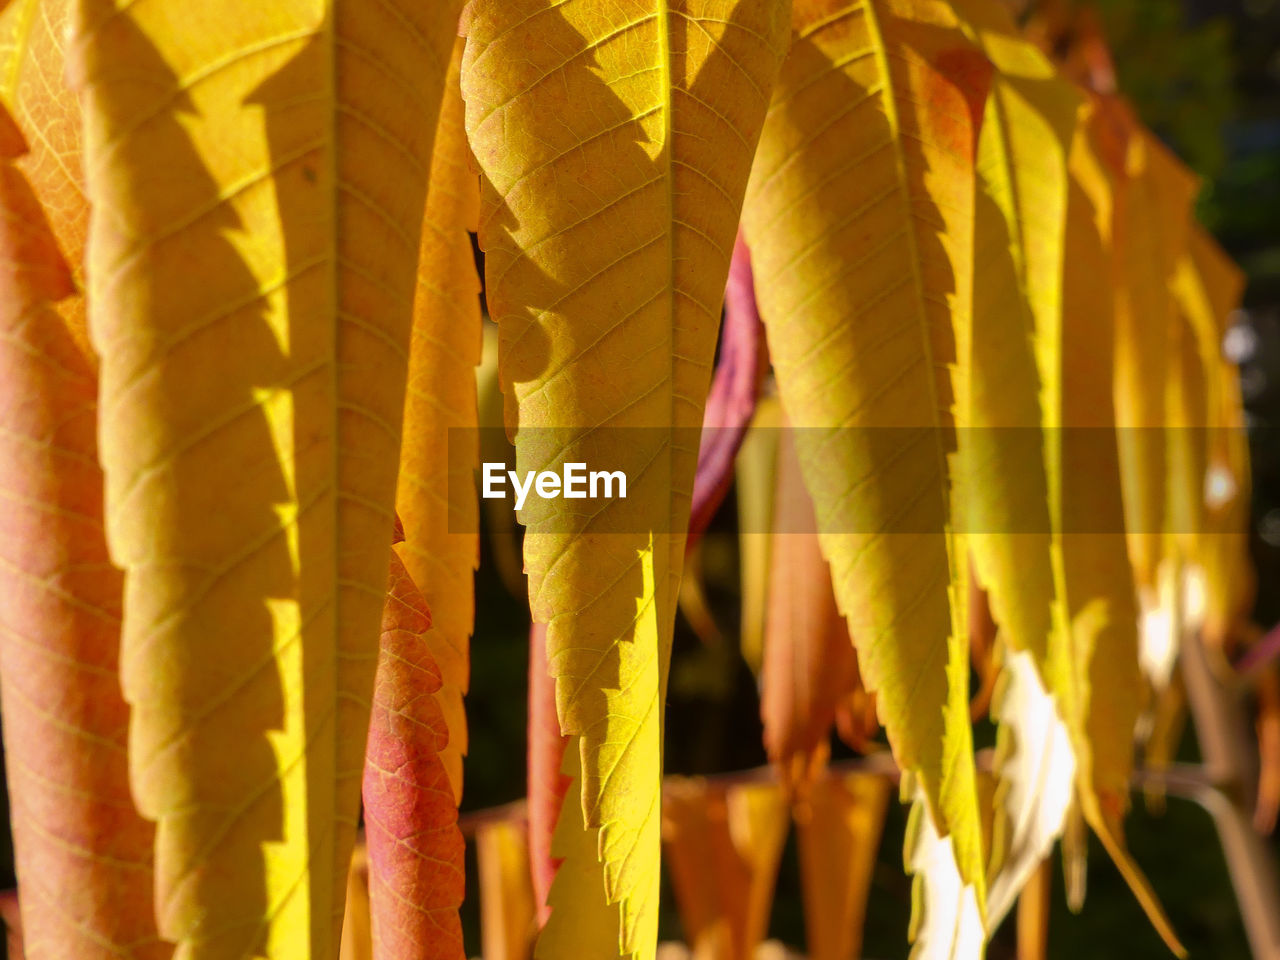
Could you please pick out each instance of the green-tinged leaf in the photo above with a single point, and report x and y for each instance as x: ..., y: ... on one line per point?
x: 607, y: 237
x: 258, y: 180
x: 860, y: 222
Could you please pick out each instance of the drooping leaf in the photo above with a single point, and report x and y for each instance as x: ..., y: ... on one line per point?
x: 607, y: 240
x: 65, y: 722
x: 547, y: 786
x: 723, y: 844
x: 1099, y: 674
x: 1036, y: 765
x: 1010, y: 351
x: 508, y: 919
x: 258, y: 180
x: 1208, y: 288
x: 1033, y: 913
x: 731, y: 399
x: 1010, y: 481
x: 357, y: 919
x: 755, y: 487
x: 839, y: 836
x: 809, y: 663
x: 859, y: 217
x: 1153, y: 223
x: 410, y: 812
x: 435, y: 497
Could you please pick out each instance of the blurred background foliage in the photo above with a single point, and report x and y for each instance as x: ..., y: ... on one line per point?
x: 1205, y: 75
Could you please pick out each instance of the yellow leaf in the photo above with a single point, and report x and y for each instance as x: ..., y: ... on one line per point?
x: 754, y: 471
x: 258, y: 178
x: 1208, y: 288
x: 507, y: 916
x: 607, y: 235
x: 436, y: 498
x: 1097, y: 676
x: 33, y: 83
x: 1154, y: 211
x: 1011, y: 351
x: 860, y: 211
x: 1011, y: 451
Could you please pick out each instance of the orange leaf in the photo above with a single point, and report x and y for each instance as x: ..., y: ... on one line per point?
x: 838, y: 844
x: 411, y: 820
x: 722, y: 846
x: 65, y: 720
x: 809, y: 662
x: 547, y: 786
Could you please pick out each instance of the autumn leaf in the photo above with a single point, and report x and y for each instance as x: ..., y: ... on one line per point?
x: 65, y: 722
x: 257, y: 181
x: 435, y: 497
x: 411, y: 818
x: 508, y: 920
x: 731, y: 399
x: 546, y: 785
x: 1036, y: 765
x: 860, y: 211
x: 357, y: 920
x: 1208, y: 288
x: 1154, y: 216
x: 1096, y: 678
x: 754, y: 490
x: 809, y: 663
x: 607, y: 241
x: 1008, y: 352
x: 1011, y: 476
x: 33, y: 83
x: 723, y: 844
x: 838, y: 837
